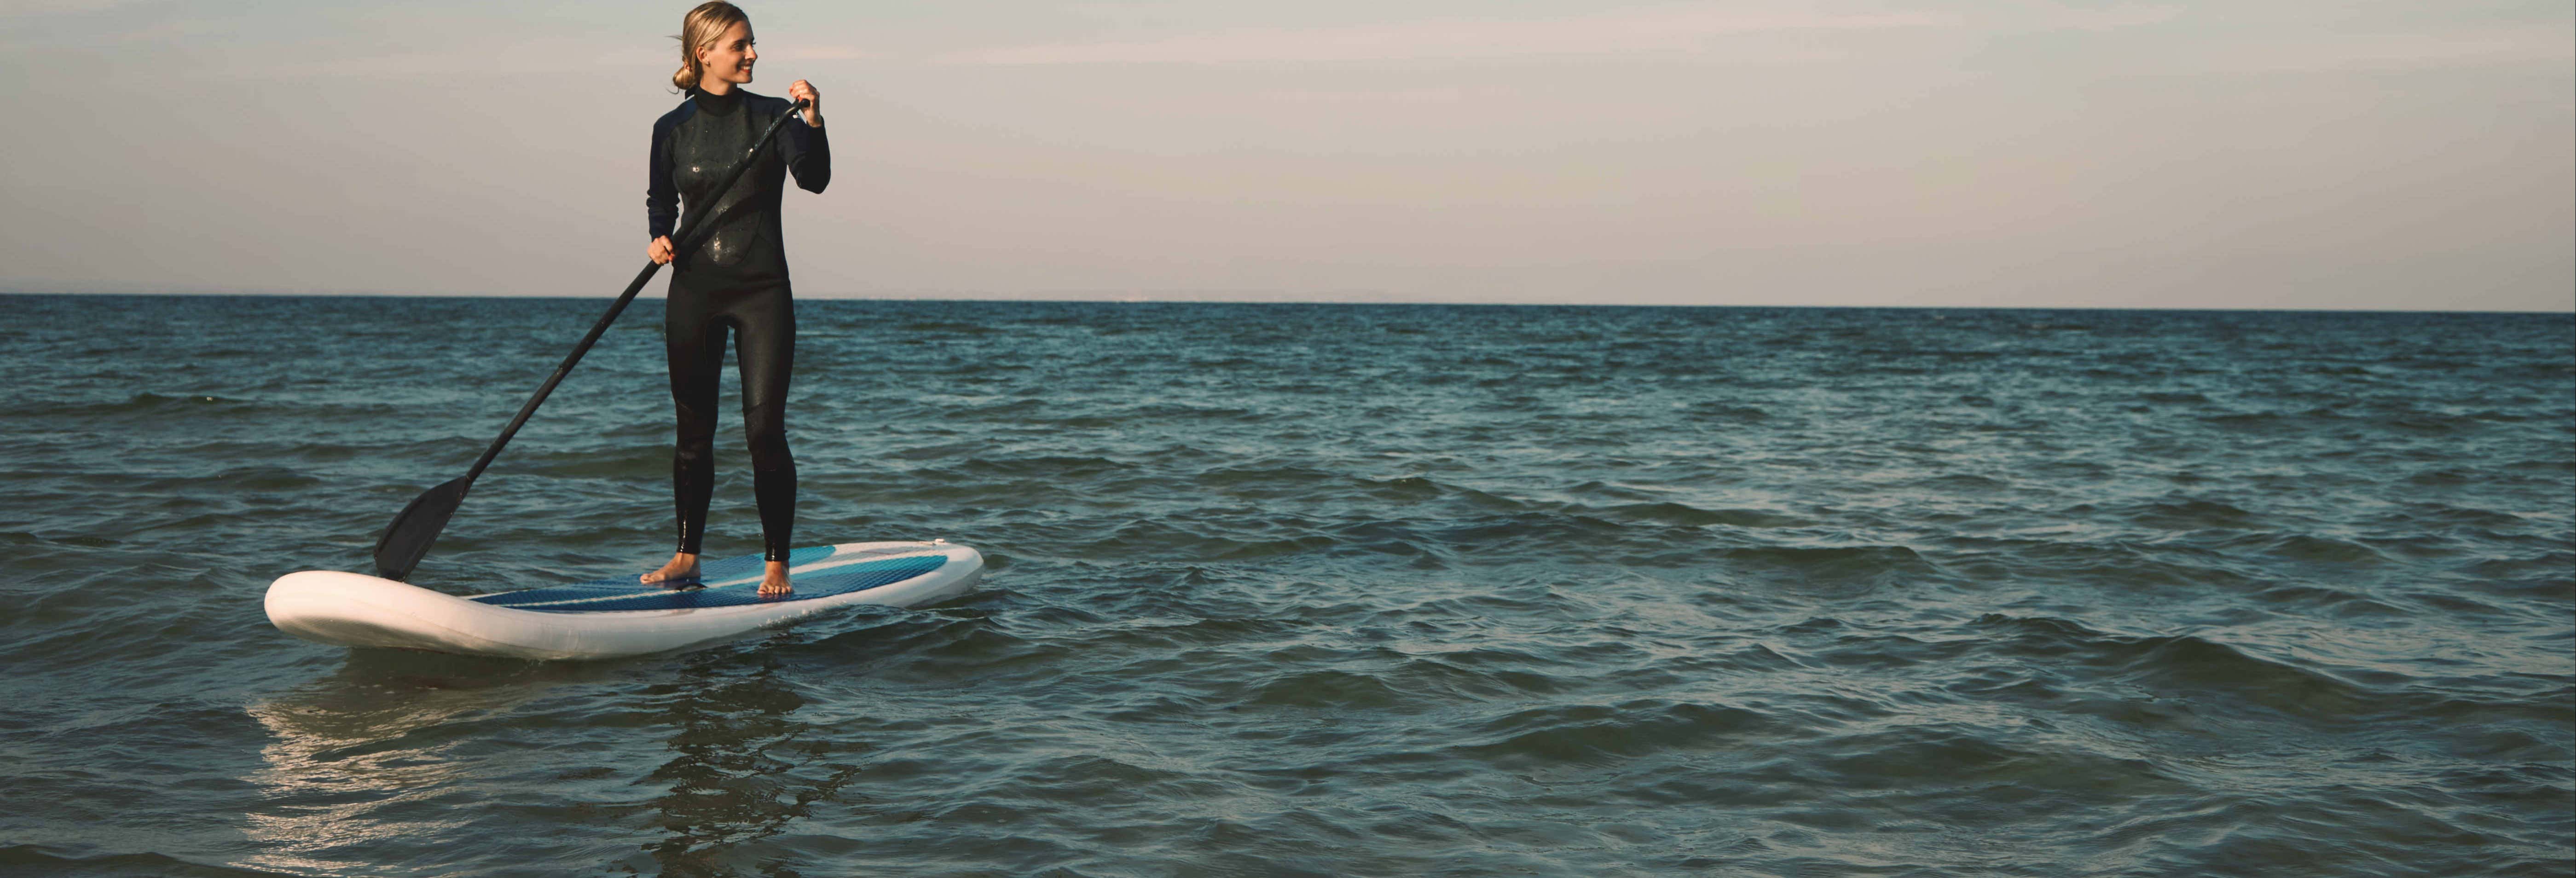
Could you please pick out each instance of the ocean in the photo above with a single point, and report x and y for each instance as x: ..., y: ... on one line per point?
x: 1283, y: 589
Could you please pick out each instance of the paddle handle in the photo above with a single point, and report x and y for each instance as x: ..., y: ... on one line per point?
x: 683, y: 239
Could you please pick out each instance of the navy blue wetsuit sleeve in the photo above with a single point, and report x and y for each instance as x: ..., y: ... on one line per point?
x: 809, y: 154
x: 661, y: 195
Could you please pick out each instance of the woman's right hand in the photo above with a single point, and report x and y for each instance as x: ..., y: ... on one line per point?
x: 659, y: 251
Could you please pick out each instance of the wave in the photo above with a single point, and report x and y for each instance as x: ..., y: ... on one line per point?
x: 635, y: 463
x: 57, y: 861
x: 1326, y: 689
x: 2329, y: 602
x: 2168, y: 398
x: 2204, y: 672
x: 951, y: 327
x: 2186, y: 513
x: 1601, y: 735
x: 184, y: 407
x: 2318, y: 550
x: 1691, y: 516
x: 1841, y: 569
x: 1050, y: 467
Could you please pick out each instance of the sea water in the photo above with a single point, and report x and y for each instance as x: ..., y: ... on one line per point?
x: 1324, y: 590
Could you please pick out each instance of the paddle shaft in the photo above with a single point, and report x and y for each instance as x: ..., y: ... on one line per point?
x: 682, y: 241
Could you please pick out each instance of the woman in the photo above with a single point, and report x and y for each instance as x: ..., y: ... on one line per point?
x: 734, y: 278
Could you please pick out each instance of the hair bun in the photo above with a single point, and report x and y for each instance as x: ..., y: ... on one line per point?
x: 698, y: 30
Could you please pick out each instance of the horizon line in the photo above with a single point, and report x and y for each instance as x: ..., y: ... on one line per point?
x: 1248, y: 298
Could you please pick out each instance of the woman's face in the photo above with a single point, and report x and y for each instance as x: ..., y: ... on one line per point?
x: 730, y: 59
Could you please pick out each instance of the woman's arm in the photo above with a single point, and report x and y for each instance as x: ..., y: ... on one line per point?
x: 808, y: 152
x: 661, y: 198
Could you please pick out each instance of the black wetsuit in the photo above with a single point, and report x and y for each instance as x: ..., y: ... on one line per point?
x: 735, y: 278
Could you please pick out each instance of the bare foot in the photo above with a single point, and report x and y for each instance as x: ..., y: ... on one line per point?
x: 773, y: 583
x: 683, y: 570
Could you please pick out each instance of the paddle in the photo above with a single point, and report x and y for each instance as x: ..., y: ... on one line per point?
x: 408, y: 538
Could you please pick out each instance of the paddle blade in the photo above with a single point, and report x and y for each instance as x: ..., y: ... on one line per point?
x: 408, y: 539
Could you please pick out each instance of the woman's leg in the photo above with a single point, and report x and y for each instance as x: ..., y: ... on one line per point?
x: 765, y: 343
x: 694, y: 339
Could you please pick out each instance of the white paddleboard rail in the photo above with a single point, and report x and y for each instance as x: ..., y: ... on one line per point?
x: 614, y: 618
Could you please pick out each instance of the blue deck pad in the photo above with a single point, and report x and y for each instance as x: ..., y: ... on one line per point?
x: 604, y: 595
x: 729, y: 569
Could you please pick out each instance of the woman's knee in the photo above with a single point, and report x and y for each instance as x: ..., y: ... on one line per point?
x: 694, y: 449
x: 768, y: 440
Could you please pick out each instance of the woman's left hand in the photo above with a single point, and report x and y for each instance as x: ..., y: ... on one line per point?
x: 801, y: 90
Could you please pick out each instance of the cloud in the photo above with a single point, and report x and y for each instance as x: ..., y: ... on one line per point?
x: 1660, y: 31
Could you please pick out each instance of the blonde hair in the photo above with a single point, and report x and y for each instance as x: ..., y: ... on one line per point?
x: 699, y: 30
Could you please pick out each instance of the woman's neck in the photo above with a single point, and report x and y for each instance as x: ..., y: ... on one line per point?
x: 716, y: 87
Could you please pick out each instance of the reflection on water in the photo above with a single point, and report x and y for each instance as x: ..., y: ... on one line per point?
x: 371, y: 754
x: 739, y: 774
x: 399, y: 748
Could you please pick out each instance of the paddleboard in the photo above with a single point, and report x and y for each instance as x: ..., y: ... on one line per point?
x: 608, y: 618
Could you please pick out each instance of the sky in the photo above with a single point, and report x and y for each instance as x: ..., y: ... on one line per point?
x: 2313, y: 154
